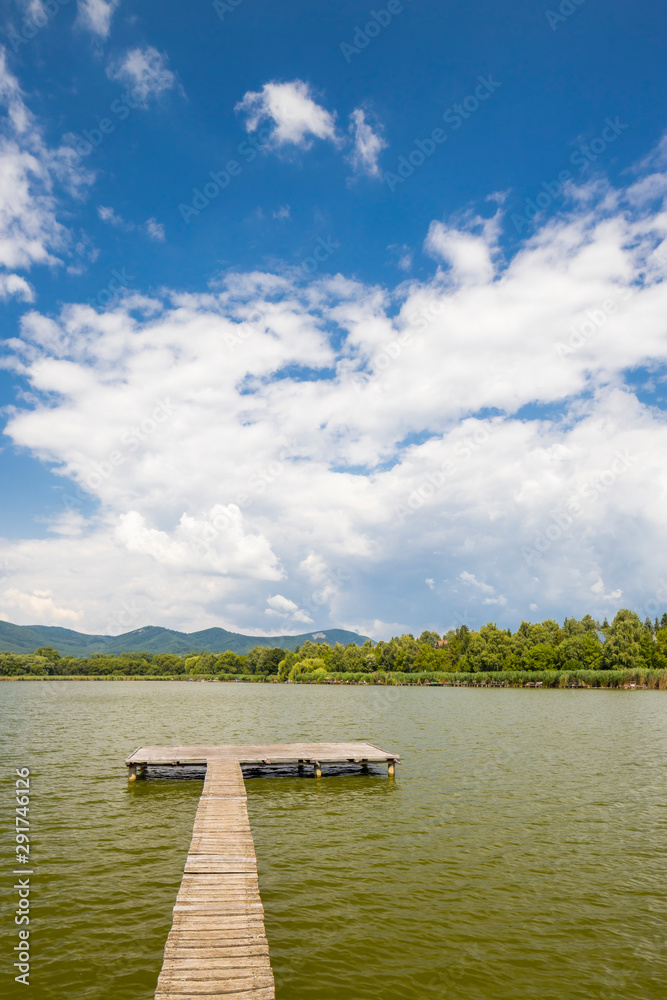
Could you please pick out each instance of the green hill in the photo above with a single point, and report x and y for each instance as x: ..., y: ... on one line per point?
x: 153, y: 639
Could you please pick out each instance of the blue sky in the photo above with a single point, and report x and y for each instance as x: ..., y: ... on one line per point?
x: 413, y: 328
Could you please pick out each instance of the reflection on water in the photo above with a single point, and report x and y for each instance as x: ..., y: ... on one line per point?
x: 518, y: 854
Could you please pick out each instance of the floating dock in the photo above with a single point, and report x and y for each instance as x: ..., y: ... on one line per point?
x: 217, y: 947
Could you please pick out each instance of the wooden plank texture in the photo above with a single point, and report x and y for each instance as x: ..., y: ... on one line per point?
x: 217, y: 945
x: 258, y: 753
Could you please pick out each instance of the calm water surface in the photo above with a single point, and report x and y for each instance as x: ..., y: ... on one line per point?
x: 519, y: 854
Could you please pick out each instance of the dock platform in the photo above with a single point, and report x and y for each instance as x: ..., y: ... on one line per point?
x: 217, y: 947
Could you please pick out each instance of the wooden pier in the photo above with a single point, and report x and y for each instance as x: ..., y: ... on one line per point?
x: 217, y: 947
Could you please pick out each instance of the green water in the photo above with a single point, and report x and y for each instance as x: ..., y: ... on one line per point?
x: 519, y: 854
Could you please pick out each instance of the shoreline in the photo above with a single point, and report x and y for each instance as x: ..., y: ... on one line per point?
x: 645, y: 679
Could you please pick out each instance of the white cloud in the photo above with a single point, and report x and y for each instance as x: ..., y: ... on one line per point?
x: 215, y: 540
x: 30, y: 171
x: 367, y: 145
x: 14, y: 285
x: 35, y: 10
x: 151, y: 228
x: 402, y: 255
x: 108, y: 214
x: 469, y: 254
x: 143, y: 70
x: 282, y: 213
x: 474, y: 582
x: 598, y: 588
x: 155, y: 230
x: 39, y: 608
x: 95, y: 15
x: 290, y: 109
x: 476, y: 419
x: 282, y: 607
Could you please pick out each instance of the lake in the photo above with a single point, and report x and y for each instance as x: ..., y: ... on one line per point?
x: 519, y: 853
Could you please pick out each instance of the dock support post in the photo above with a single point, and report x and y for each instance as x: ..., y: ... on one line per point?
x: 317, y: 769
x: 391, y: 768
x: 132, y: 772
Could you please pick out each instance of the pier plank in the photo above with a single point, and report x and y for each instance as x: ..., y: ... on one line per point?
x: 259, y: 753
x: 217, y: 947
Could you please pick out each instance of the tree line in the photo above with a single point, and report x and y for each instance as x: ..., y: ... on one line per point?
x: 578, y: 644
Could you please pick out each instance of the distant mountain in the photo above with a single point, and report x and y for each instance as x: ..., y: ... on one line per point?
x: 153, y: 639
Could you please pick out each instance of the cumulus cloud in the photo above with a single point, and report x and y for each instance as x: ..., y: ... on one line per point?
x: 215, y: 540
x: 289, y: 108
x: 145, y: 71
x: 95, y: 15
x: 38, y: 607
x: 351, y: 440
x: 368, y: 145
x: 12, y: 285
x: 30, y: 172
x: 282, y: 607
x: 467, y: 249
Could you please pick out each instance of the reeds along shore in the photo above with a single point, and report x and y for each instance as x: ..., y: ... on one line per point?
x: 652, y: 680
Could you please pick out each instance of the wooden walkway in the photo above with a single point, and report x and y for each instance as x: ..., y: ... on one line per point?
x: 217, y: 947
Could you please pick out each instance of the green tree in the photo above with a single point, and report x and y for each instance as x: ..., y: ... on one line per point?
x: 582, y: 651
x: 660, y: 653
x: 49, y: 653
x: 168, y: 663
x: 432, y: 638
x: 229, y: 663
x: 623, y: 646
x: 540, y: 657
x: 490, y: 649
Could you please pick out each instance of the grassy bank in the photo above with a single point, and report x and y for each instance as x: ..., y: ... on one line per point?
x: 648, y: 679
